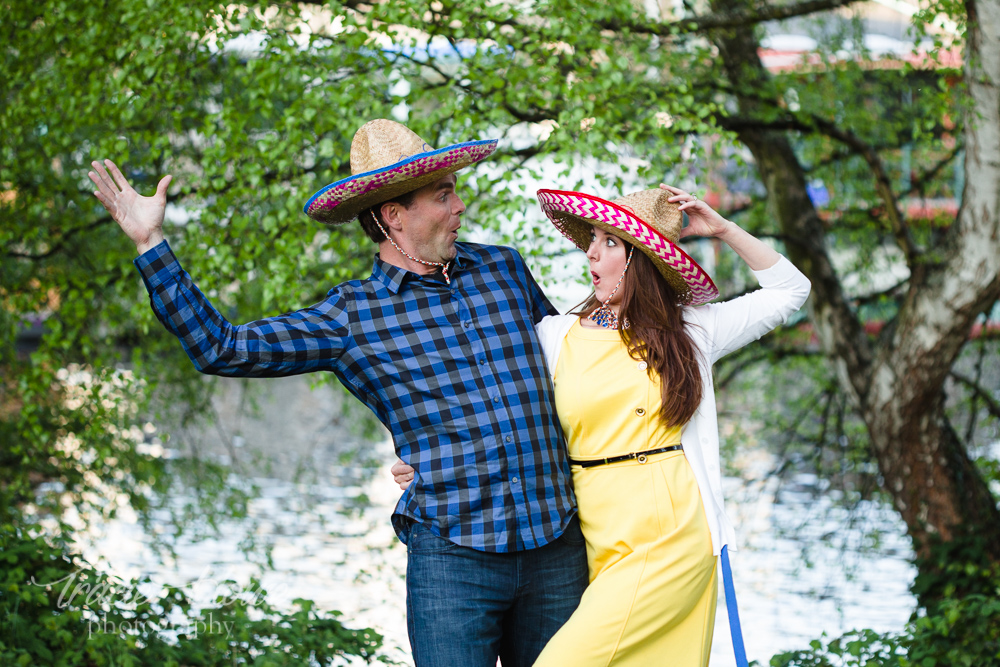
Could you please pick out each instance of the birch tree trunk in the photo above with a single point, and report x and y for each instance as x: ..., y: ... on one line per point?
x: 897, y: 382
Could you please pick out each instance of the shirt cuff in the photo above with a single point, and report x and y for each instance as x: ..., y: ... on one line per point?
x: 157, y: 265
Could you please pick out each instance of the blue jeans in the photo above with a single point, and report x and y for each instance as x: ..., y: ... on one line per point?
x: 464, y: 608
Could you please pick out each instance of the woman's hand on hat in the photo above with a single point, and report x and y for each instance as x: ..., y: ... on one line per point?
x: 141, y: 218
x: 703, y: 220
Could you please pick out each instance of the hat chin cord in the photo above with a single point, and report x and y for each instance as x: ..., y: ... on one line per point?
x: 444, y: 267
x: 603, y: 315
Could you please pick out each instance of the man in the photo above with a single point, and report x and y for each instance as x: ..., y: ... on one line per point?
x: 440, y: 343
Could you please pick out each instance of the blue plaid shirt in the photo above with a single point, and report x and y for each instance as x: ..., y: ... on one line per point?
x: 455, y: 372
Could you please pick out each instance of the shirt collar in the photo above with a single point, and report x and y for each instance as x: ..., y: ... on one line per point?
x: 393, y: 277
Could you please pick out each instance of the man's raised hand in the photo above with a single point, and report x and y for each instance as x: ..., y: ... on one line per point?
x: 141, y: 218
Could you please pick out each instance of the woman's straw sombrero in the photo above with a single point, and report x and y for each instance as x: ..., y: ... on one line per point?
x: 646, y: 220
x: 387, y: 160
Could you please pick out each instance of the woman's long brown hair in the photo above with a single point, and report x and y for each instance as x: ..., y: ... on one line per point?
x: 659, y: 336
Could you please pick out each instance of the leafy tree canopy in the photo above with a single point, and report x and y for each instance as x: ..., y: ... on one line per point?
x: 252, y: 108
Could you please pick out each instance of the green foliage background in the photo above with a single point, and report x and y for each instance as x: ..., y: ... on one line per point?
x: 252, y: 108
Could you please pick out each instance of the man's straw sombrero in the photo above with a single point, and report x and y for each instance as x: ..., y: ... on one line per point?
x: 646, y: 220
x: 388, y: 160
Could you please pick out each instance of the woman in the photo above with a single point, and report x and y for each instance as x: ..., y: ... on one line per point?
x: 633, y: 386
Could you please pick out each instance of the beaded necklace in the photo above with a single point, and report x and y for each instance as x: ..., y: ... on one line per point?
x: 444, y: 267
x: 603, y: 315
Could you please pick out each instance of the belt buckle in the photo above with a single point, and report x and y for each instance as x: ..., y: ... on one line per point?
x: 641, y: 458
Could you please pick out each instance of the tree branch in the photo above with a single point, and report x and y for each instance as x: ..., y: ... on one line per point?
x: 813, y: 123
x: 765, y: 354
x: 882, y: 183
x: 918, y: 183
x: 733, y: 19
x: 837, y: 325
x: 992, y: 405
x: 59, y: 245
x: 875, y: 296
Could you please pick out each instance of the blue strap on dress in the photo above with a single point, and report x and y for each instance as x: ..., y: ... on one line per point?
x: 734, y: 614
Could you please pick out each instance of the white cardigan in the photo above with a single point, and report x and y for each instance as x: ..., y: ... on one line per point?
x: 716, y: 329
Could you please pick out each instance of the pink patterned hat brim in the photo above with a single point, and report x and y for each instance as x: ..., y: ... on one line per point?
x: 341, y: 201
x: 667, y: 254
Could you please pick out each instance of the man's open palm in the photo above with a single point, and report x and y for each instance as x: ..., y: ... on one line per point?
x: 141, y: 218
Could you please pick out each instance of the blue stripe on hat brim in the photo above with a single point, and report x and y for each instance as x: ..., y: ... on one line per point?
x: 395, y: 165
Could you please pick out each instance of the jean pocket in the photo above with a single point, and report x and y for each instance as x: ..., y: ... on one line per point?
x: 573, y: 536
x: 420, y: 539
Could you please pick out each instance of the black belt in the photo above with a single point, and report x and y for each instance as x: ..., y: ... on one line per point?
x: 638, y: 456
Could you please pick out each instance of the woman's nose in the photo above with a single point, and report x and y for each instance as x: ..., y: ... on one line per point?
x: 592, y: 250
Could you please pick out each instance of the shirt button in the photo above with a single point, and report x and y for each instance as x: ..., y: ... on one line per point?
x: 482, y: 362
x: 468, y: 324
x: 513, y: 480
x: 642, y: 365
x: 507, y: 439
x: 496, y: 399
x: 640, y: 411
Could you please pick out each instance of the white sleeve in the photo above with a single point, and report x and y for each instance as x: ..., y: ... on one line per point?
x: 551, y: 331
x: 730, y: 325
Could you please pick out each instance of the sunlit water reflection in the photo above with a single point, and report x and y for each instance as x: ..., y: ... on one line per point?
x: 807, y: 567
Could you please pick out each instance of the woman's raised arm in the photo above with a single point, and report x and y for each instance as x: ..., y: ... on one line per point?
x: 703, y: 220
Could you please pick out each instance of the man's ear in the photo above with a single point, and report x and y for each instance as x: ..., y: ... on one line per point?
x: 392, y: 215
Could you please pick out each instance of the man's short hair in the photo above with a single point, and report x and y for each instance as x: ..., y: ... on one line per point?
x: 368, y: 223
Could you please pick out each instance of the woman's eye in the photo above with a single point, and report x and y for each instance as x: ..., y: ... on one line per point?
x: 610, y: 242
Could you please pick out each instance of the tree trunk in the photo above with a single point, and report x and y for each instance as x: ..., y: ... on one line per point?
x: 897, y: 383
x: 933, y: 483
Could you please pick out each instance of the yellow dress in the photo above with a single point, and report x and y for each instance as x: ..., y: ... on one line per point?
x: 652, y: 596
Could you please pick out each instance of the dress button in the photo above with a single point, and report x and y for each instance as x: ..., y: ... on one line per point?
x: 640, y: 411
x: 642, y: 365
